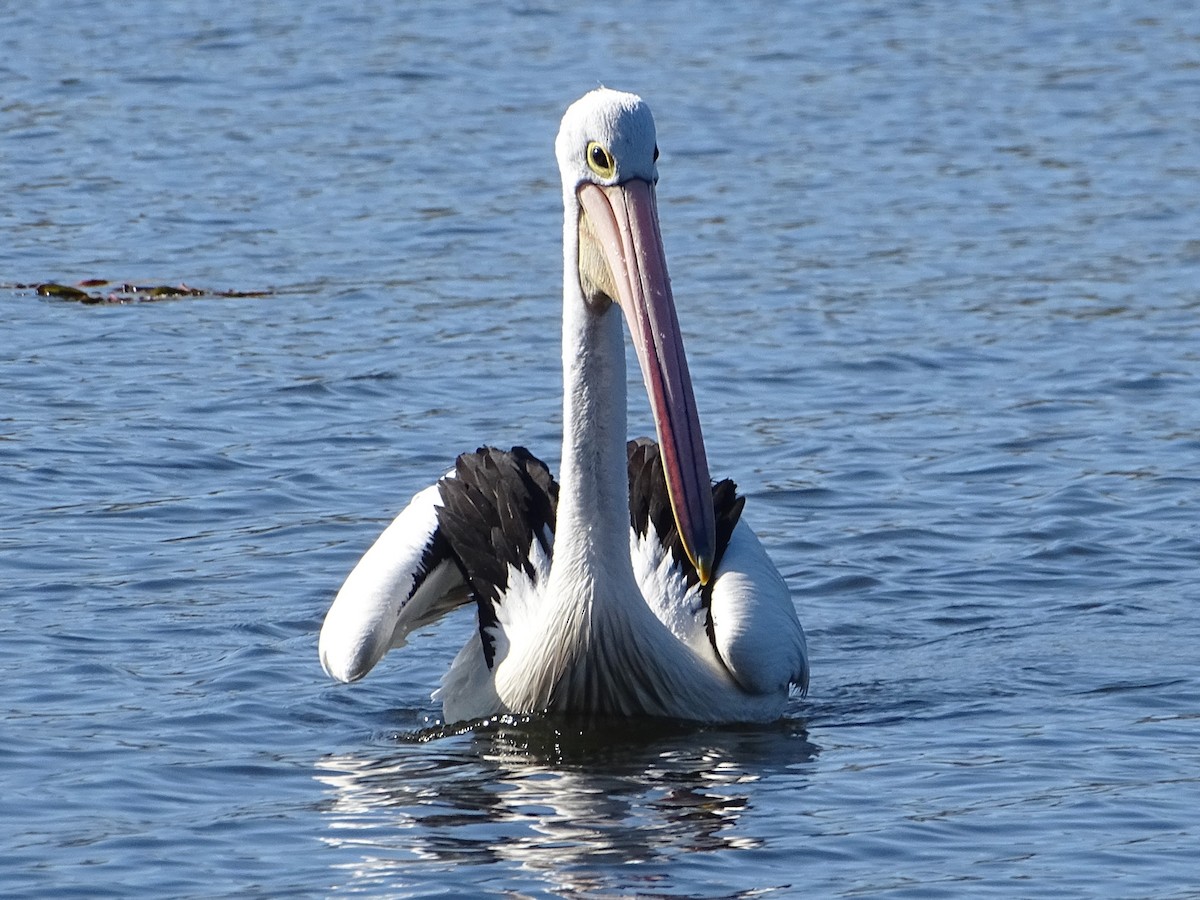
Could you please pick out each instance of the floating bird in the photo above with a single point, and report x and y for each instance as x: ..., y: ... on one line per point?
x: 631, y: 587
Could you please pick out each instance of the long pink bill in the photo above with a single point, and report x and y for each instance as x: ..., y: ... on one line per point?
x: 624, y: 218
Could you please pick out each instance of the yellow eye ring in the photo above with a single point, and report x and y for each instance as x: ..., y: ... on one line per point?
x: 600, y: 160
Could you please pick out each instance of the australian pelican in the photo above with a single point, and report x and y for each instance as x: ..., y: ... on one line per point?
x: 631, y: 587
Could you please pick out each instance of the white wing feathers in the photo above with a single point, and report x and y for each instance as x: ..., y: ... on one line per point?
x: 407, y: 579
x: 754, y: 624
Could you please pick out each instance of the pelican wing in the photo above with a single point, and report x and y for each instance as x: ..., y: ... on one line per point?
x: 497, y: 505
x: 650, y: 507
x: 408, y: 578
x: 752, y: 620
x: 455, y: 542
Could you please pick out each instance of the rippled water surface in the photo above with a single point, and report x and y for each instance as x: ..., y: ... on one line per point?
x: 938, y: 271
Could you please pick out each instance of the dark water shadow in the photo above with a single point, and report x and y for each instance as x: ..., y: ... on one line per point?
x: 570, y: 804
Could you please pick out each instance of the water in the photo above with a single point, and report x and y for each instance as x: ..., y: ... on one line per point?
x: 937, y: 267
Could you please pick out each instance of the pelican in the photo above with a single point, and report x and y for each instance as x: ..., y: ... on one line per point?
x: 632, y: 586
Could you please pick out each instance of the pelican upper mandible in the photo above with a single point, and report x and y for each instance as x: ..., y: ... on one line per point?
x: 631, y: 587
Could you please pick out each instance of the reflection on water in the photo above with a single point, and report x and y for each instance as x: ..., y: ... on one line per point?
x: 568, y: 805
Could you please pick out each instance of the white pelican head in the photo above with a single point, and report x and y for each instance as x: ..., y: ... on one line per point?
x: 608, y: 157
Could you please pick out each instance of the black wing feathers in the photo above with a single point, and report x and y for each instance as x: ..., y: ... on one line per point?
x: 493, y: 508
x: 498, y: 502
x: 649, y: 504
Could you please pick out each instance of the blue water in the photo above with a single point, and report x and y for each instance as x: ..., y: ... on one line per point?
x: 938, y: 271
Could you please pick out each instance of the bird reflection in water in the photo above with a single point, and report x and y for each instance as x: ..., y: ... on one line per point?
x: 569, y: 806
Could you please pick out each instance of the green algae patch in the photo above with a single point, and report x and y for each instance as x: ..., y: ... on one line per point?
x: 103, y: 291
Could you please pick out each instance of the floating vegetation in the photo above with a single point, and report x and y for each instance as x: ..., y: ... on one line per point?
x: 110, y: 292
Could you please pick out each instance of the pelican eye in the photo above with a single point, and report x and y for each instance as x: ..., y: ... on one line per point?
x: 600, y: 160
